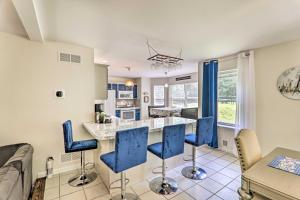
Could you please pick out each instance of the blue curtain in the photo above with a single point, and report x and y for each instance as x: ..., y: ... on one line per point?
x: 210, y: 96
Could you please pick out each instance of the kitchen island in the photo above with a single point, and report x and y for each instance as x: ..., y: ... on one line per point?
x: 105, y: 134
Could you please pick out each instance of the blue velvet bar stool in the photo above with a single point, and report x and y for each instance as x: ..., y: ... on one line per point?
x: 204, y: 133
x: 172, y: 145
x: 75, y: 146
x: 130, y: 151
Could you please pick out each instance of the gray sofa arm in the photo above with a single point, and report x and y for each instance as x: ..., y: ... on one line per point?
x: 8, y: 151
x: 10, y: 184
x: 21, y: 158
x: 22, y: 161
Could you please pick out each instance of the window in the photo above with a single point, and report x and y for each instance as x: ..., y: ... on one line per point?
x: 177, y: 95
x: 159, y: 95
x: 227, y: 97
x: 183, y: 95
x: 191, y: 90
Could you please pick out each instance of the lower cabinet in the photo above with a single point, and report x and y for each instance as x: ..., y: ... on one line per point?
x: 137, y: 114
x: 118, y: 113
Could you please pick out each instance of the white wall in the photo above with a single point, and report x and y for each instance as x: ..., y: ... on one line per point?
x: 29, y: 76
x: 116, y: 79
x: 145, y: 90
x: 9, y: 19
x: 101, y: 76
x: 226, y: 134
x: 278, y: 118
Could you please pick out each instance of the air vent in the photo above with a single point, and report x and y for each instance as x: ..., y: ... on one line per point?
x: 67, y: 57
x: 64, y: 57
x: 76, y: 156
x: 225, y: 143
x: 69, y: 157
x: 183, y: 78
x: 75, y: 58
x: 65, y: 157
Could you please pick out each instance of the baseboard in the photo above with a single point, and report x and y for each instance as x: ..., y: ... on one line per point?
x: 59, y: 170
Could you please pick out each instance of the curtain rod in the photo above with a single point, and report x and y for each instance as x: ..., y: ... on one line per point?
x: 228, y: 57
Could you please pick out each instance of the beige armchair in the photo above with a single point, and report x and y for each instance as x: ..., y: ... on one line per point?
x: 249, y: 153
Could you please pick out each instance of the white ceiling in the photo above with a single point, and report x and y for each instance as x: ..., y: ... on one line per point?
x: 118, y: 30
x: 9, y: 20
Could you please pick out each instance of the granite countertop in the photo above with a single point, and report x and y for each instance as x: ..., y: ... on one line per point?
x: 167, y: 109
x: 127, y: 108
x: 108, y: 131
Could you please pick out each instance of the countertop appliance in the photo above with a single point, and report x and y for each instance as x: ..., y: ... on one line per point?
x: 125, y: 95
x: 128, y: 115
x: 99, y: 107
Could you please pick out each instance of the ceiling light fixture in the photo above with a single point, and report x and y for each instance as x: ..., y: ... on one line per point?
x: 129, y: 83
x: 164, y: 62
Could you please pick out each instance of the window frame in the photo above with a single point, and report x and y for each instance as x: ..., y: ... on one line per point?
x: 185, y: 98
x: 164, y: 97
x: 220, y: 123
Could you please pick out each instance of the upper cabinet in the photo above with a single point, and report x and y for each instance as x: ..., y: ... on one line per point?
x: 135, y: 91
x: 101, y: 80
x: 123, y: 87
x: 114, y: 86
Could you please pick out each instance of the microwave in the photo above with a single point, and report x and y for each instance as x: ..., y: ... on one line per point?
x: 128, y: 115
x: 125, y: 95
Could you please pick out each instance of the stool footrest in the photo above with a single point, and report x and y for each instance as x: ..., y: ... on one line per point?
x: 188, y: 159
x: 126, y: 182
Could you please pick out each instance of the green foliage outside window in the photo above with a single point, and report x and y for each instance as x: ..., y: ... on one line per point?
x: 227, y: 96
x: 226, y: 112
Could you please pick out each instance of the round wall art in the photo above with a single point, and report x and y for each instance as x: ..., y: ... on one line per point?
x: 288, y: 83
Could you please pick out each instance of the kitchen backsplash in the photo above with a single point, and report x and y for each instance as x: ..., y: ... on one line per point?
x: 127, y: 103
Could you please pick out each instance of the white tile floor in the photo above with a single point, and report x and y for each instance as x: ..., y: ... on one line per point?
x: 221, y: 184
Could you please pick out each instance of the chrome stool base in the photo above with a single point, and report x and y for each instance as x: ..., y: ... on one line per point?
x: 158, y: 186
x: 128, y: 196
x: 195, y: 174
x: 82, y: 179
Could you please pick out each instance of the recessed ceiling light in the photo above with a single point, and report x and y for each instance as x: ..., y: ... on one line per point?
x: 129, y: 83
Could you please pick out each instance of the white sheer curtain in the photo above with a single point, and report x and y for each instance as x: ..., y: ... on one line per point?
x: 246, y: 112
x: 200, y: 77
